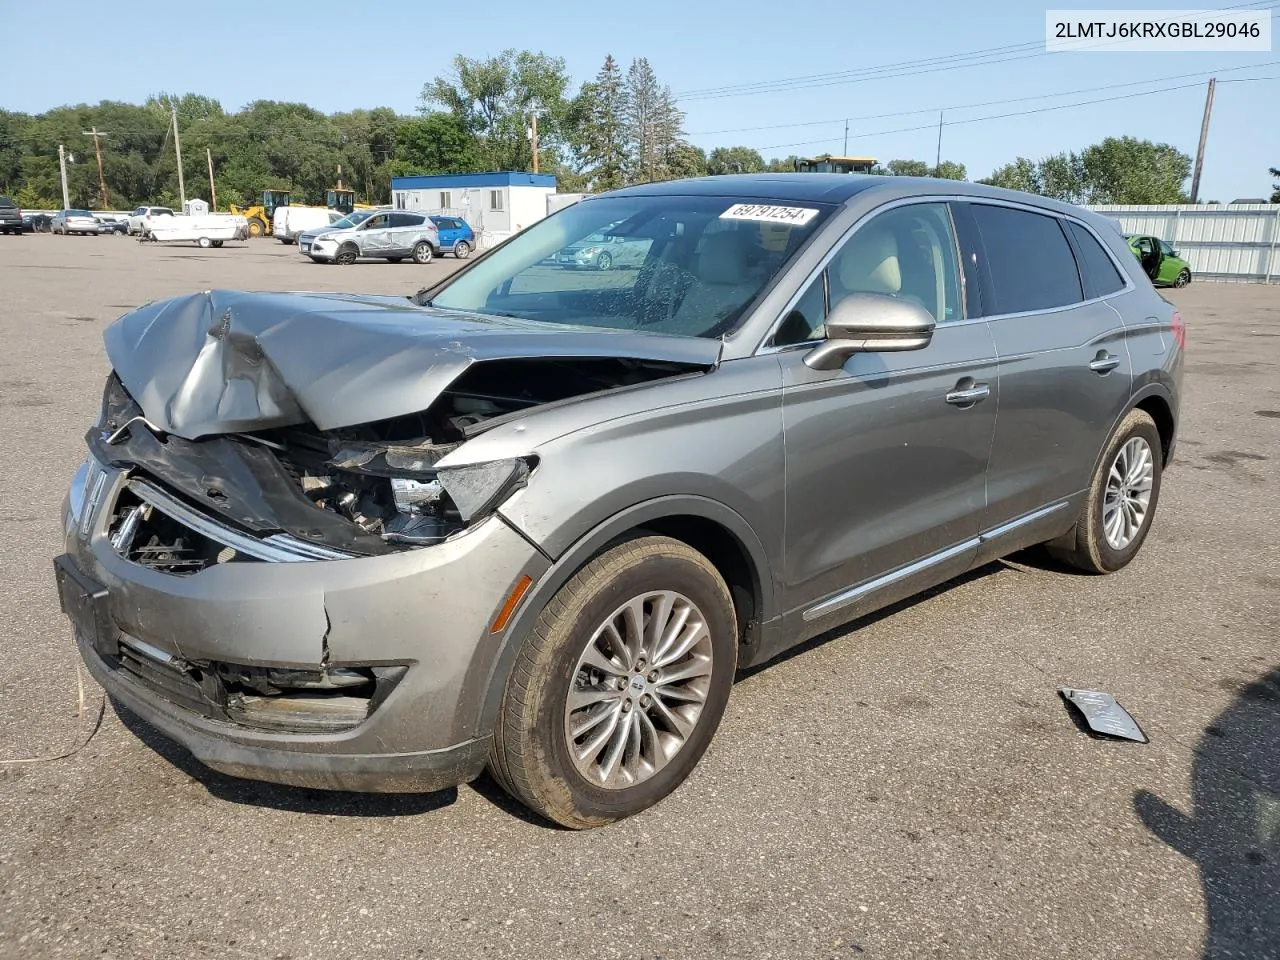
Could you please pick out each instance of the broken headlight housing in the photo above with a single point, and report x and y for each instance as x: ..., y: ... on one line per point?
x: 475, y: 490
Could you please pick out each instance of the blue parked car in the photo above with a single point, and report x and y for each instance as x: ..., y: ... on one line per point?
x: 455, y: 235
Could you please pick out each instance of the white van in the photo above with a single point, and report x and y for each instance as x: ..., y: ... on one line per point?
x: 289, y: 221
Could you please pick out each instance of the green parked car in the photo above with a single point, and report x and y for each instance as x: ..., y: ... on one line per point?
x: 1160, y: 261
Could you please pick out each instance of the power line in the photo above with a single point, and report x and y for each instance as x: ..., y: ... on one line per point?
x: 1016, y: 113
x: 990, y: 55
x: 986, y: 103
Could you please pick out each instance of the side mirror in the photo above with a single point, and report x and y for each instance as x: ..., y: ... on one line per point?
x: 871, y: 323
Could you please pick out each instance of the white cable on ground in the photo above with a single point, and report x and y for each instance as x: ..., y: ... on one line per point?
x: 97, y: 724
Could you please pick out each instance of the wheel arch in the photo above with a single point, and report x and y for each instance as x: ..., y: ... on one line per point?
x: 1156, y: 405
x: 708, y: 526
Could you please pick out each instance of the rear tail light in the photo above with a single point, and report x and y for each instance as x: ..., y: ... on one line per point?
x: 1179, y: 330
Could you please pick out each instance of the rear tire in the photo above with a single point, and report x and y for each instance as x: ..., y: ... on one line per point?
x: 462, y: 249
x: 670, y: 700
x: 1115, y: 519
x: 205, y: 243
x: 422, y: 252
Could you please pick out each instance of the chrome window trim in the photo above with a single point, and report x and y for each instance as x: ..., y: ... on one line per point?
x: 765, y: 348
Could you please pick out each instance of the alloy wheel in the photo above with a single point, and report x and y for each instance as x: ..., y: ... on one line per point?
x: 638, y: 689
x: 1127, y: 498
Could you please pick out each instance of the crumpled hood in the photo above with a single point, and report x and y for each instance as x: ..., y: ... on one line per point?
x: 228, y: 362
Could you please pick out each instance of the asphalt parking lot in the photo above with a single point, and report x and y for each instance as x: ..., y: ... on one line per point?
x: 907, y: 787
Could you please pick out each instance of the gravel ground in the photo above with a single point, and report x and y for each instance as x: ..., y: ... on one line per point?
x: 909, y: 786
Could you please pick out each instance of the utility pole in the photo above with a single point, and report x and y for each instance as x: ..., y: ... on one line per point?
x: 1204, y: 135
x: 533, y: 132
x: 846, y: 138
x: 62, y: 164
x: 937, y: 165
x: 177, y: 148
x: 102, y: 180
x: 213, y: 191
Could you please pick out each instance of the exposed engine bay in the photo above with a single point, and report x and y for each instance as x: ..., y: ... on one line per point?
x: 363, y: 490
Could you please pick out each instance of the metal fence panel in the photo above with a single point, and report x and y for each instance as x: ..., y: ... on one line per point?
x: 1234, y: 242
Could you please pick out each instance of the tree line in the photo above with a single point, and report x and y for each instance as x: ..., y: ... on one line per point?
x: 621, y: 127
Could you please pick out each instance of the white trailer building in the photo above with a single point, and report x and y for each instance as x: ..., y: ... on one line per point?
x: 495, y: 204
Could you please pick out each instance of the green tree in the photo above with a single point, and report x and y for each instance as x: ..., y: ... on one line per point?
x: 782, y: 165
x: 1022, y: 174
x: 435, y: 143
x: 1128, y: 170
x: 600, y: 141
x: 1275, y: 187
x: 908, y: 168
x: 686, y: 160
x: 734, y: 160
x: 495, y: 99
x: 950, y: 170
x: 1062, y: 177
x: 655, y: 125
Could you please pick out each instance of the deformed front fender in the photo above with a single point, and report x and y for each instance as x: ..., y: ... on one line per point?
x: 572, y: 559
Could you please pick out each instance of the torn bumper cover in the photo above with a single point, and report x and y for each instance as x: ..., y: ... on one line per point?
x: 377, y: 665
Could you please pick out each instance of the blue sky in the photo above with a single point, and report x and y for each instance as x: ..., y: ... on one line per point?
x: 329, y: 55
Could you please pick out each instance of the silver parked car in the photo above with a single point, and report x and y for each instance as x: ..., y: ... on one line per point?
x: 67, y: 222
x: 528, y: 522
x: 603, y: 251
x: 383, y: 235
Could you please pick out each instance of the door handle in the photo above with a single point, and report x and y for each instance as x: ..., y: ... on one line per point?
x: 1104, y: 363
x: 967, y: 396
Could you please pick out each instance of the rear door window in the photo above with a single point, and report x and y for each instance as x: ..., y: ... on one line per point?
x: 406, y: 220
x: 1029, y: 261
x: 1097, y: 270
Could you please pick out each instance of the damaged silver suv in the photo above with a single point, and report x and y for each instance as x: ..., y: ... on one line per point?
x: 534, y: 520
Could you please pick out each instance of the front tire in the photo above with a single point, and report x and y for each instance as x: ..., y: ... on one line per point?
x: 1183, y: 279
x: 346, y: 255
x: 257, y: 228
x: 1121, y: 503
x: 604, y: 261
x: 422, y: 252
x: 620, y: 685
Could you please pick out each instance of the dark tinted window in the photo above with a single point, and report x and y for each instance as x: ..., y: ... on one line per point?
x: 1096, y: 268
x: 405, y: 220
x: 1028, y: 258
x: 6, y: 202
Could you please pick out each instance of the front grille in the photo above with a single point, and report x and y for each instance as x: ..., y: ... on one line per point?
x: 156, y: 530
x: 145, y: 535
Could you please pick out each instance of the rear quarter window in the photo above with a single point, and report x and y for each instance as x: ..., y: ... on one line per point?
x: 1028, y: 259
x: 1097, y: 270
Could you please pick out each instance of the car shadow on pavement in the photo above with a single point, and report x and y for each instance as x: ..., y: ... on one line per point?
x: 334, y: 803
x: 1233, y: 833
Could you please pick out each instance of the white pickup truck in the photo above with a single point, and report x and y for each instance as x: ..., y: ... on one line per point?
x: 289, y: 221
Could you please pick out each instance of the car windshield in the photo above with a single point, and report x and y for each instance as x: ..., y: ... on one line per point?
x: 693, y: 265
x: 352, y: 220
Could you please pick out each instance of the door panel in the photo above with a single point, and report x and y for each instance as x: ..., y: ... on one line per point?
x: 881, y: 469
x: 1065, y: 373
x: 1065, y: 377
x: 375, y: 237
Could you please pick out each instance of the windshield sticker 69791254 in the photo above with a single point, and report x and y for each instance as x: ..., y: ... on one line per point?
x: 770, y: 213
